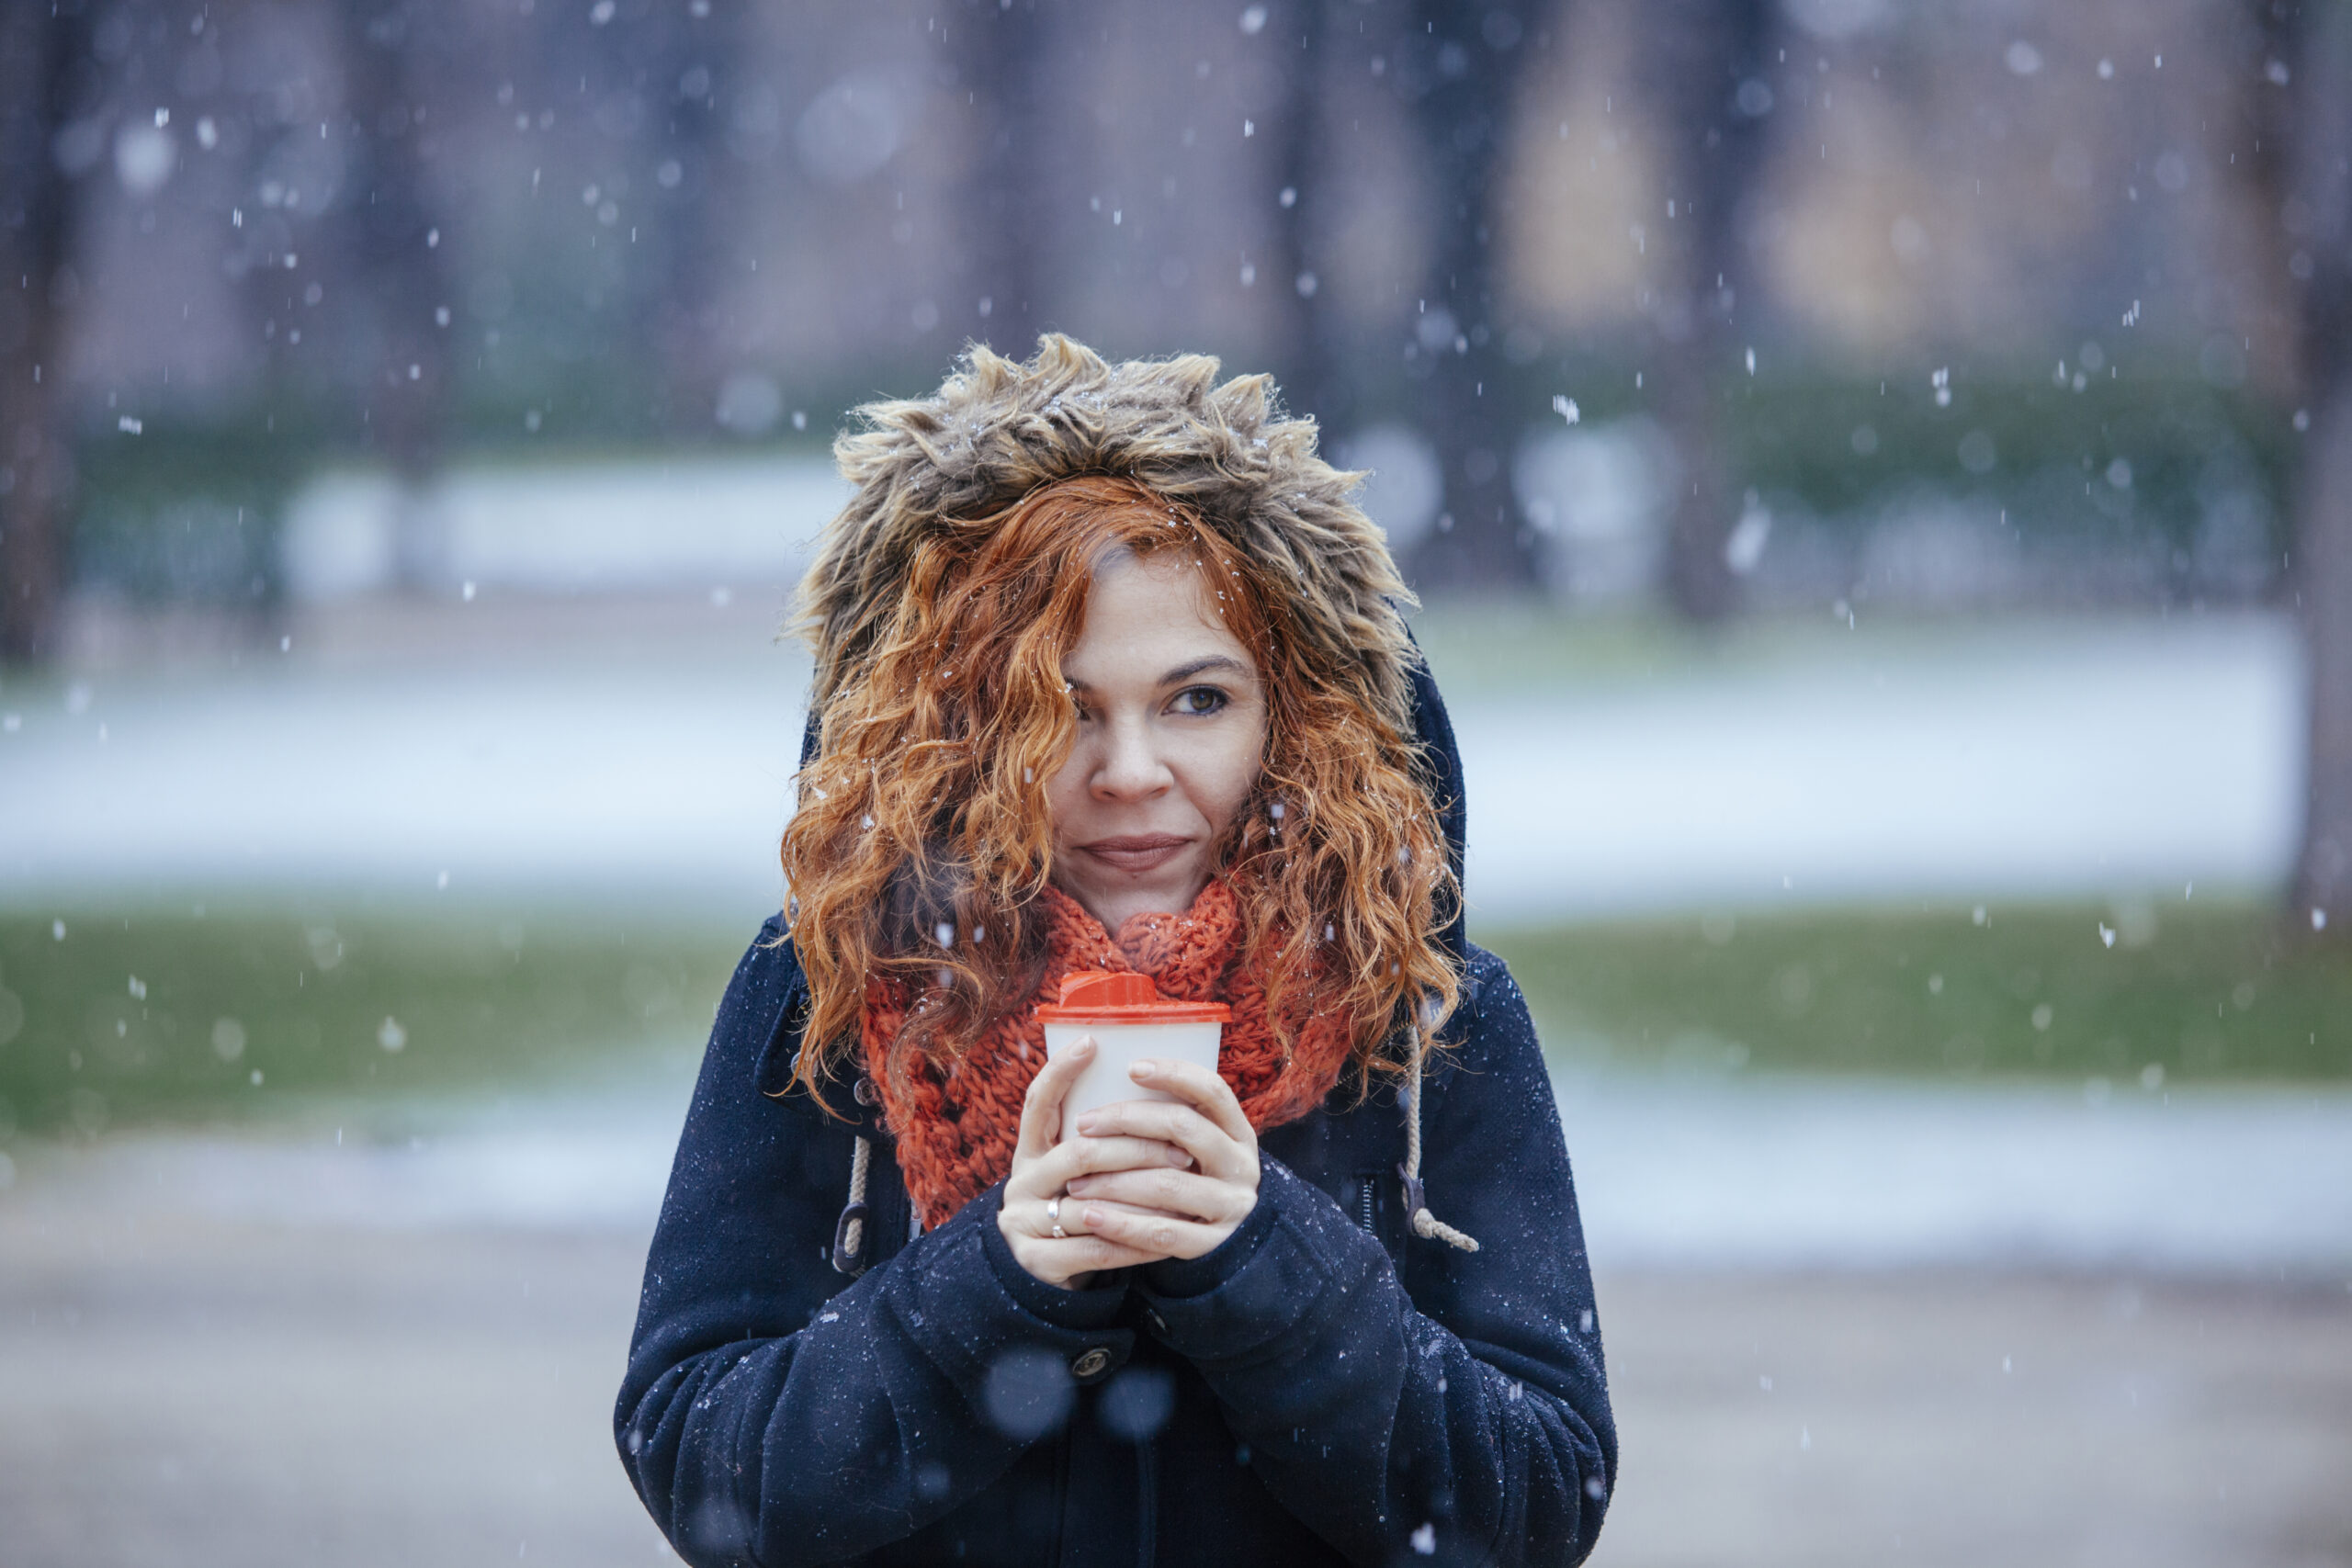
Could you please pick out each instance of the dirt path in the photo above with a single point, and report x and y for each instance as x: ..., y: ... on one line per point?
x: 1951, y: 1419
x: 192, y: 1393
x: 189, y: 1392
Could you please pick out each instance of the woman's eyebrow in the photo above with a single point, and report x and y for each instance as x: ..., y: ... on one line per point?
x: 1182, y: 671
x: 1201, y: 666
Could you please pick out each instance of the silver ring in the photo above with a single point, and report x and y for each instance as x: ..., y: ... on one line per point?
x: 1054, y: 1217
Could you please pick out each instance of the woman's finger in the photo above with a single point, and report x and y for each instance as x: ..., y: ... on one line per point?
x: 1074, y: 1157
x: 1184, y: 1193
x: 1041, y: 1108
x: 1152, y: 1233
x: 1200, y: 1088
x: 1039, y: 1217
x: 1211, y: 1148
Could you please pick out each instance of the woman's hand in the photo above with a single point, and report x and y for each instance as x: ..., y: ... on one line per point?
x: 1167, y: 1209
x: 1043, y: 1171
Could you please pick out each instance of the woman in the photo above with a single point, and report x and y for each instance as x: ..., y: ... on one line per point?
x: 1109, y: 675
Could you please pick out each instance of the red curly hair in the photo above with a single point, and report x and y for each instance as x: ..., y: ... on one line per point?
x: 923, y: 837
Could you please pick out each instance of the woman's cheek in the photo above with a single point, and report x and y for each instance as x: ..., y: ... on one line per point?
x: 1235, y: 775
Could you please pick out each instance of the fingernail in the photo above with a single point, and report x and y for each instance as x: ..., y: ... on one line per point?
x: 1088, y: 1122
x: 1143, y: 1069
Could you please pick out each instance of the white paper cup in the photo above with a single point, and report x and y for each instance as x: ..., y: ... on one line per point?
x: 1119, y: 1046
x: 1129, y: 1021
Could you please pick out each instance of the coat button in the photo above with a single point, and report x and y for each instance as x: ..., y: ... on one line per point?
x: 1090, y: 1364
x: 864, y: 1093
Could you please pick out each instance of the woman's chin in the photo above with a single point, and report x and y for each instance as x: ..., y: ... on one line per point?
x: 1114, y: 896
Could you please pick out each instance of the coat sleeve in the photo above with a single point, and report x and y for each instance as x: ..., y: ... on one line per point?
x: 773, y: 1411
x: 1457, y: 1408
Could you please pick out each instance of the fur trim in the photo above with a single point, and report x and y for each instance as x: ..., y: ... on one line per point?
x: 997, y: 429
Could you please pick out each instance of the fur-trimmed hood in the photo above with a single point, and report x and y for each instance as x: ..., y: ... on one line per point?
x: 997, y: 429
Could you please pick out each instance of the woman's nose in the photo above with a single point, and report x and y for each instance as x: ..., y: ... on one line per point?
x: 1131, y: 767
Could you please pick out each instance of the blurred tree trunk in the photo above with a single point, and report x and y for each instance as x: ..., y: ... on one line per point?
x: 1003, y: 46
x: 389, y: 54
x: 697, y: 61
x: 1307, y: 350
x: 1459, y: 66
x: 38, y: 46
x: 2313, y: 42
x: 1695, y: 56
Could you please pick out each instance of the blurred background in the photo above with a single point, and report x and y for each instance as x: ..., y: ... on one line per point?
x: 1880, y: 476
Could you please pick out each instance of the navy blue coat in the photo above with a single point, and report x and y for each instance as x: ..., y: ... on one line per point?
x: 1324, y: 1387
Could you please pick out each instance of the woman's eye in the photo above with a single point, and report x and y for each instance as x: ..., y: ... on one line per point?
x: 1200, y: 700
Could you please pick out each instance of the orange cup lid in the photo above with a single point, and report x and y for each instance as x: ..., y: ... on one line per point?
x: 1104, y: 996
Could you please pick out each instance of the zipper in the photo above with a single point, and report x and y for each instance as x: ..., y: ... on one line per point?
x: 1364, y: 1205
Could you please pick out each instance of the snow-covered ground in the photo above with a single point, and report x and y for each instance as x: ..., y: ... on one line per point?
x: 2043, y: 762
x: 1672, y: 1174
x: 1796, y: 1173
x: 1986, y: 762
x: 541, y: 780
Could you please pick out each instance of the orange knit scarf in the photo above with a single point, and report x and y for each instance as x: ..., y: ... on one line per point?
x: 956, y: 1123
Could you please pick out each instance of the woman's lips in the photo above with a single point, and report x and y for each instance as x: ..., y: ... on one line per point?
x: 1139, y: 851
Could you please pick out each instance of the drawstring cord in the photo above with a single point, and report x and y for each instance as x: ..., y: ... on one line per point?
x: 1425, y: 1224
x: 849, y: 1231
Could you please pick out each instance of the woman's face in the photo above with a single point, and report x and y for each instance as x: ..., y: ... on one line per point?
x: 1171, y: 721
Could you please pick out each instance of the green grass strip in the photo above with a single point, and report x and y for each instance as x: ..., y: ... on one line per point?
x: 153, y: 1016
x: 2180, y: 991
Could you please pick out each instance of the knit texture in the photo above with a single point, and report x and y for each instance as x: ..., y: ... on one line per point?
x: 956, y: 1123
